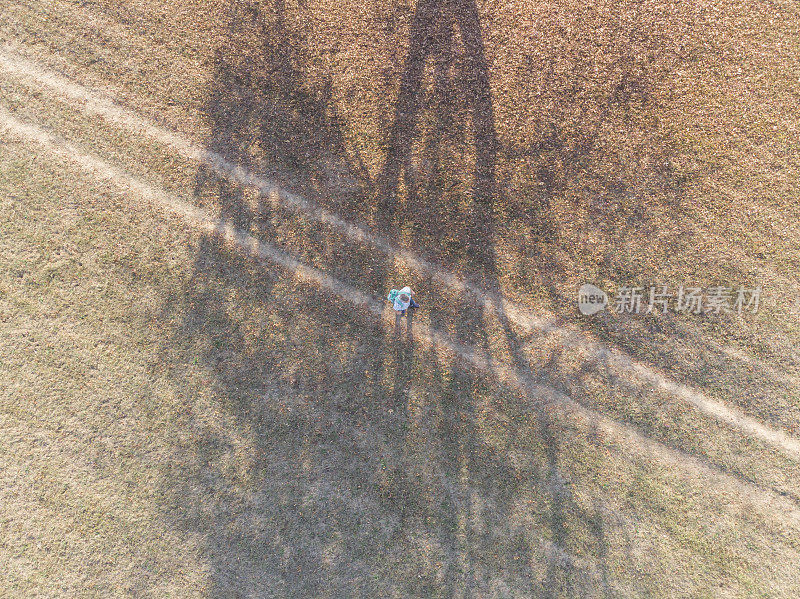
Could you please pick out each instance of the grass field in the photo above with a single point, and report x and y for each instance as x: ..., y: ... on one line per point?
x: 204, y: 203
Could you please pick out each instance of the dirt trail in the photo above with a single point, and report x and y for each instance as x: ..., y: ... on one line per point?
x: 593, y: 352
x: 633, y: 441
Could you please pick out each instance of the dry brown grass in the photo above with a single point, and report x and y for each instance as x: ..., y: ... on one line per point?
x: 178, y: 421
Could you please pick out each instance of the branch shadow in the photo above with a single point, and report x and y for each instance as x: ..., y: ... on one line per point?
x: 372, y: 470
x: 337, y: 494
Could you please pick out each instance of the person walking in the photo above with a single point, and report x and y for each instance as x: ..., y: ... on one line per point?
x: 402, y: 300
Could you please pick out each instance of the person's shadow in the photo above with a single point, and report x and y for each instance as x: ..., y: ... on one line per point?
x: 404, y: 361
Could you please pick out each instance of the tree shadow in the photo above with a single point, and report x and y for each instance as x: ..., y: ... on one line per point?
x: 458, y: 110
x: 337, y: 485
x: 371, y: 471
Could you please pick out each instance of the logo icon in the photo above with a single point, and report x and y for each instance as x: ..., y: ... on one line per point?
x: 591, y: 299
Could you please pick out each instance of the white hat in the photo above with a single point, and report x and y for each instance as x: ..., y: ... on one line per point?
x: 403, y: 299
